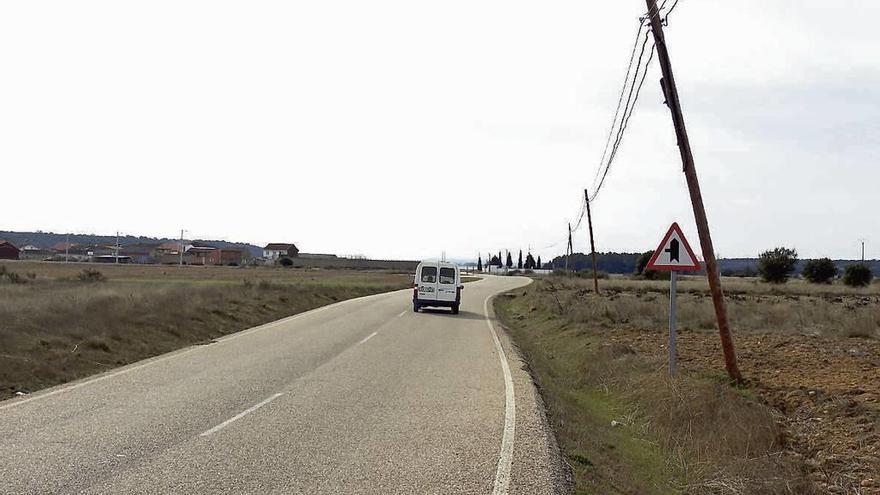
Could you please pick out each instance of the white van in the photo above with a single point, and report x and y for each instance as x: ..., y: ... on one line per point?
x: 437, y: 283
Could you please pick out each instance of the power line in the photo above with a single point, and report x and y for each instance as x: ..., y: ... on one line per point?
x: 604, y: 166
x: 632, y: 99
x: 632, y: 57
x: 635, y: 84
x: 666, y: 17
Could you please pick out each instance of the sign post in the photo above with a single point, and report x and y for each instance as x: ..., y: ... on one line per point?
x: 673, y: 255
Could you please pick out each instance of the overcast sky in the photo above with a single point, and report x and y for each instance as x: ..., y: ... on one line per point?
x: 402, y: 129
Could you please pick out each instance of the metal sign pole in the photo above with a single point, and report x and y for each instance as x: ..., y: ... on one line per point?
x: 673, y: 278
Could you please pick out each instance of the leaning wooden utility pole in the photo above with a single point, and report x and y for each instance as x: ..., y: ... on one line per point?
x: 693, y: 183
x: 592, y: 244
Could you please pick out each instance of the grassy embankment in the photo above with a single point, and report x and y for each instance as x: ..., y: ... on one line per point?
x: 808, y: 421
x: 55, y: 327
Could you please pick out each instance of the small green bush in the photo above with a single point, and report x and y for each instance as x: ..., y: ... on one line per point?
x: 857, y: 275
x: 776, y: 266
x: 820, y: 271
x: 285, y: 262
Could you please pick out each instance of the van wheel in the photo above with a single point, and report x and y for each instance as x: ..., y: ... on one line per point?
x: 415, y: 307
x: 455, y: 309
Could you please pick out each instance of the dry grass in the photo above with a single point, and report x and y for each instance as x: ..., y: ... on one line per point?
x: 208, y: 275
x: 737, y: 285
x: 694, y: 434
x: 794, y: 308
x: 59, y: 326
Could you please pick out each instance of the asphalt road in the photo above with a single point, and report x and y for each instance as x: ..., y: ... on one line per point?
x: 363, y: 396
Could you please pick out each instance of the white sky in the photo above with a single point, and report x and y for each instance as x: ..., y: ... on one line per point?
x: 400, y: 129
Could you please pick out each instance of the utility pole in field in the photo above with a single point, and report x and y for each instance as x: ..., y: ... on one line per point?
x: 690, y: 172
x: 863, y: 249
x: 592, y: 244
x: 568, y: 248
x: 117, y: 247
x: 180, y: 250
x: 67, y: 249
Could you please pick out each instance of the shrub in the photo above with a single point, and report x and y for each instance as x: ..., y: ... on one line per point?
x: 285, y: 262
x: 820, y: 271
x: 91, y: 275
x: 643, y: 262
x: 857, y: 275
x: 649, y: 274
x: 776, y: 266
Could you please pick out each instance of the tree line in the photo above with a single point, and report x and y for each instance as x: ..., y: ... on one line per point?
x: 530, y: 262
x: 778, y: 265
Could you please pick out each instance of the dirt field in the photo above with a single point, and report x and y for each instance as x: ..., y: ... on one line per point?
x: 56, y: 327
x: 811, y: 355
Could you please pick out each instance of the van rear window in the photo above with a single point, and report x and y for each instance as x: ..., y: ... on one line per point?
x: 429, y: 274
x: 447, y: 275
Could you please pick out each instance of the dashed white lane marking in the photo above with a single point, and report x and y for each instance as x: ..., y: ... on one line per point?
x: 368, y: 337
x: 401, y: 314
x: 505, y: 459
x: 240, y: 415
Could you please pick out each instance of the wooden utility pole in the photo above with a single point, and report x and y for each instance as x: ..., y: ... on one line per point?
x: 690, y: 172
x: 592, y: 244
x: 568, y: 248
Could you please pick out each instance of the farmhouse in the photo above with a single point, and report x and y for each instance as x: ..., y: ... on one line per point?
x: 199, y: 255
x: 230, y: 257
x: 31, y: 252
x: 140, y: 252
x: 8, y: 251
x: 275, y: 251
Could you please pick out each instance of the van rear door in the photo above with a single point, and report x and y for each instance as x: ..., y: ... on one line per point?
x: 428, y: 283
x: 446, y: 286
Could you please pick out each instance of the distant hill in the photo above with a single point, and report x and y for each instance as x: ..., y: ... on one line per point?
x: 45, y: 240
x: 626, y: 263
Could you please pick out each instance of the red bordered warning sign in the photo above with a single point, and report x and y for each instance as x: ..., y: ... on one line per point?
x: 674, y: 254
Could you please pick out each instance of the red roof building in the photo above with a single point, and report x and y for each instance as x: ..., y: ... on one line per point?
x: 8, y: 251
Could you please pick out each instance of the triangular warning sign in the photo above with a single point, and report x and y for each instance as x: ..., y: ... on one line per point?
x: 674, y: 254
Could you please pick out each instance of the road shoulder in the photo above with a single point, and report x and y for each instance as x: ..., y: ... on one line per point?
x: 538, y: 466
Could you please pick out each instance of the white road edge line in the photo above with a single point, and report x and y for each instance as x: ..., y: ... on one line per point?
x: 502, y: 473
x: 239, y: 415
x: 368, y: 337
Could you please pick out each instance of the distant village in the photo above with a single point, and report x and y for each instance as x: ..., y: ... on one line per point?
x: 192, y: 253
x: 167, y: 253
